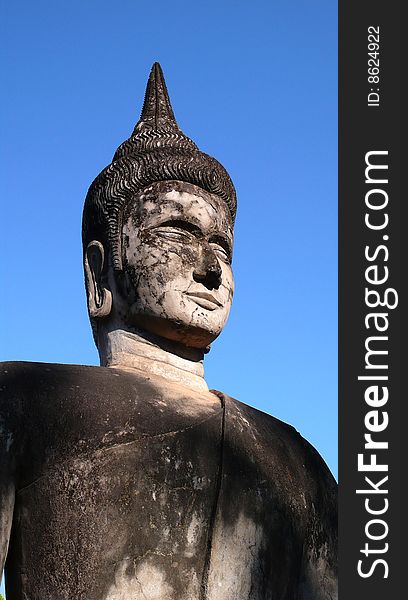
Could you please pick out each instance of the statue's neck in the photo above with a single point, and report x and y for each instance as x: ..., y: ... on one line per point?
x: 137, y: 350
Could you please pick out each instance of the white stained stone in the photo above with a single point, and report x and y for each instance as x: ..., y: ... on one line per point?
x: 233, y: 557
x: 147, y: 583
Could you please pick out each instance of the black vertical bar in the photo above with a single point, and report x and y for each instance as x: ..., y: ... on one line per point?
x: 373, y: 124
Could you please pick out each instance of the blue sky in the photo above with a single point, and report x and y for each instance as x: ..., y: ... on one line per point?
x: 255, y: 85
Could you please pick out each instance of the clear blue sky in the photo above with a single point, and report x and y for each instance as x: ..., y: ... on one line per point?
x: 255, y: 85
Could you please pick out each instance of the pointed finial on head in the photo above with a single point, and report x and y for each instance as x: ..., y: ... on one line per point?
x: 157, y: 128
x: 157, y: 111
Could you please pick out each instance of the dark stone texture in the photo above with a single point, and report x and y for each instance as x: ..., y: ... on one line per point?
x: 122, y: 479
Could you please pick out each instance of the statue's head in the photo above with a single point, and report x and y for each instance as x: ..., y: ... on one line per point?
x: 158, y: 233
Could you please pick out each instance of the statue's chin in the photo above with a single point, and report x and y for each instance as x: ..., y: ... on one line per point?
x: 176, y: 331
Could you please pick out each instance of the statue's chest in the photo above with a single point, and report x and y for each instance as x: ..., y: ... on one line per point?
x: 127, y: 515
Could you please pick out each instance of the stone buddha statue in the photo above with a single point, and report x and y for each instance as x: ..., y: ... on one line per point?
x: 132, y: 480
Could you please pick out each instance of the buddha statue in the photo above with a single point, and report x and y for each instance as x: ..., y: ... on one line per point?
x: 132, y: 480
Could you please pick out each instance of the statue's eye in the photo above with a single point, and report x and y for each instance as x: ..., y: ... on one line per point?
x: 221, y: 252
x: 176, y: 230
x: 173, y: 233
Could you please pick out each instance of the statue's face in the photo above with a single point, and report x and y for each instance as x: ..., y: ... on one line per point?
x: 177, y: 247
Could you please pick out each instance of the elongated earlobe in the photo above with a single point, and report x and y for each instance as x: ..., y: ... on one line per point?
x: 99, y: 296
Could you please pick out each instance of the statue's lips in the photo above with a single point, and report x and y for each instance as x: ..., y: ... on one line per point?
x: 204, y: 299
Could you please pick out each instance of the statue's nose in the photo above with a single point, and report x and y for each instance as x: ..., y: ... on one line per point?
x: 208, y: 270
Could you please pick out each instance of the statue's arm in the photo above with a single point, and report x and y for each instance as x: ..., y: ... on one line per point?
x: 9, y: 417
x: 319, y: 566
x: 7, y: 493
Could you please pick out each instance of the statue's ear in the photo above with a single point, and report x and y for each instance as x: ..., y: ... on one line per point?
x: 99, y: 296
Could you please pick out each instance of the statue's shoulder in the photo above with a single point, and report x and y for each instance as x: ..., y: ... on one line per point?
x: 28, y: 376
x: 12, y: 369
x: 29, y: 384
x: 280, y: 450
x: 25, y: 376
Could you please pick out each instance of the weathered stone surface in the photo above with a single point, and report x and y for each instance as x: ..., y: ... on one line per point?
x: 116, y: 483
x: 128, y: 487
